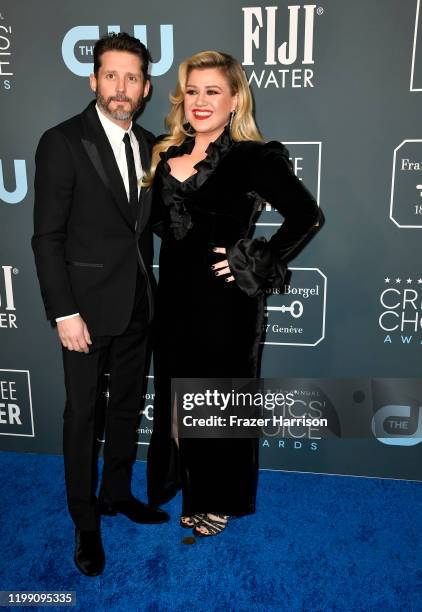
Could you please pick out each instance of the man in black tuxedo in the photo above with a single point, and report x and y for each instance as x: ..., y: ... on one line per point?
x: 93, y: 250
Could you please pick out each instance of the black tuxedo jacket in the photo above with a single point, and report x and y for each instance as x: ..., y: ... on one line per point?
x: 89, y: 242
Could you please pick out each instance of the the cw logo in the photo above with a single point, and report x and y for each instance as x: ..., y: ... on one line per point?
x: 16, y: 196
x: 89, y: 33
x: 393, y: 425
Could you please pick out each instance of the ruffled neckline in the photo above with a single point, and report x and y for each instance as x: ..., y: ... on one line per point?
x: 214, y: 153
x: 175, y: 192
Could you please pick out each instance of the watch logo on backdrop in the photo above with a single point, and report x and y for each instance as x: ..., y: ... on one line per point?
x: 147, y: 414
x: 19, y: 180
x: 406, y: 185
x: 401, y: 315
x: 7, y: 301
x: 276, y: 63
x: 416, y: 70
x: 398, y: 425
x: 16, y: 418
x: 295, y: 314
x: 144, y: 430
x: 306, y: 161
x: 78, y: 48
x: 6, y: 68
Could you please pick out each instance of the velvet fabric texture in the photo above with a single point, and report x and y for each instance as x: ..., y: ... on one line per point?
x: 206, y: 327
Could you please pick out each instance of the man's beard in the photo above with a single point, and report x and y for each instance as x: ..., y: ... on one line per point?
x: 119, y: 114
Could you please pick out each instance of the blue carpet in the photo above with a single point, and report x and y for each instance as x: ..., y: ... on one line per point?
x: 316, y: 543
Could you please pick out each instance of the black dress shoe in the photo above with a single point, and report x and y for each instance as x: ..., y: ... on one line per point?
x: 135, y: 510
x: 89, y: 552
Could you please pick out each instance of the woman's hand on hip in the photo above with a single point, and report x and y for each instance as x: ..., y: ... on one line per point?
x: 222, y: 267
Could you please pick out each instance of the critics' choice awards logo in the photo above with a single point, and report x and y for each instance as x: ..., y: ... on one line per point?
x: 6, y: 64
x: 303, y: 401
x: 7, y: 298
x: 306, y: 161
x: 295, y: 314
x: 16, y: 418
x: 13, y: 181
x: 416, y: 70
x: 401, y: 310
x: 406, y: 185
x: 78, y: 48
x: 278, y: 46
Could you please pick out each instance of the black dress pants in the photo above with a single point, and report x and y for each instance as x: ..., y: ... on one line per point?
x: 127, y: 360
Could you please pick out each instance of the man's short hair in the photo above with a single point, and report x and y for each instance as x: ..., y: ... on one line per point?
x: 121, y: 42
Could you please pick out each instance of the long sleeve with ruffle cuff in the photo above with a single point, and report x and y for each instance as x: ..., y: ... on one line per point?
x: 255, y: 267
x: 257, y: 264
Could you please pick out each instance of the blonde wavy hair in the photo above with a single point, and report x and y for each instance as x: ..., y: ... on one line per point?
x: 243, y: 126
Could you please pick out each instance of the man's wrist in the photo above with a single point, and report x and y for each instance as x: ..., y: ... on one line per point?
x: 67, y: 317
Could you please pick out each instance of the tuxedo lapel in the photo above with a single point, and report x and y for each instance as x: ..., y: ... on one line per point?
x: 98, y: 148
x: 144, y: 207
x: 94, y: 156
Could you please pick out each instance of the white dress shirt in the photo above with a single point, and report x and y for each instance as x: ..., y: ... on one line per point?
x: 115, y: 135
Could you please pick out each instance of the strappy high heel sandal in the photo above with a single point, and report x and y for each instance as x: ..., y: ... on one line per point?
x: 213, y: 526
x: 187, y: 522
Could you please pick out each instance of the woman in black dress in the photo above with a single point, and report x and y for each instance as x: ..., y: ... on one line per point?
x: 209, y: 174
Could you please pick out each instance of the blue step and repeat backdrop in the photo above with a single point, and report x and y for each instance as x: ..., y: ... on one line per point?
x: 340, y: 83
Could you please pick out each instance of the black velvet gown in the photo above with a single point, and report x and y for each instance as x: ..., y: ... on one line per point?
x: 206, y: 327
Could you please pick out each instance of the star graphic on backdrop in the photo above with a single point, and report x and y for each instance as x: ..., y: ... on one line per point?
x: 386, y: 280
x: 419, y: 281
x: 398, y: 281
x: 409, y: 281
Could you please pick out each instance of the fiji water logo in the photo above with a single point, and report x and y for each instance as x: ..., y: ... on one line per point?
x: 78, y: 47
x: 280, y: 65
x: 7, y: 298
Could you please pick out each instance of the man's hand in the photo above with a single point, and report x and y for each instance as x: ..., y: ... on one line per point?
x: 74, y: 334
x: 222, y: 267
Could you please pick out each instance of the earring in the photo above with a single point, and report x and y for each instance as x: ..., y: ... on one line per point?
x: 232, y: 116
x: 188, y: 128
